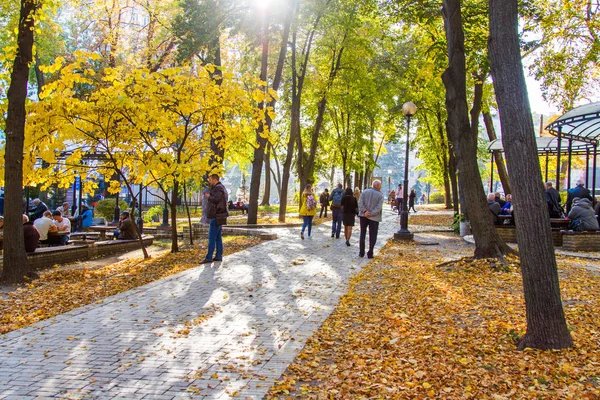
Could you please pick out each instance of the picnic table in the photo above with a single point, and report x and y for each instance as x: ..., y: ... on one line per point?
x: 102, y: 229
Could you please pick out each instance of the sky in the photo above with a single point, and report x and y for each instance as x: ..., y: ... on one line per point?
x: 537, y: 103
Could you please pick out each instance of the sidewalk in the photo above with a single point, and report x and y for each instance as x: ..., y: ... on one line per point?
x: 216, y: 331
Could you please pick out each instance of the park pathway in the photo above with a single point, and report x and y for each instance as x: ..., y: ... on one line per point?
x: 217, y: 331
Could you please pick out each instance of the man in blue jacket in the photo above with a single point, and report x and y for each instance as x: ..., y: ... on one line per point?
x: 578, y: 191
x: 336, y: 210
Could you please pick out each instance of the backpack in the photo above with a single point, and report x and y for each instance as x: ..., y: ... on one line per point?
x: 337, y: 199
x: 311, y: 203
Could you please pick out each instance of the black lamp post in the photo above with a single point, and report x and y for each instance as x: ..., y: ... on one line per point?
x: 408, y: 109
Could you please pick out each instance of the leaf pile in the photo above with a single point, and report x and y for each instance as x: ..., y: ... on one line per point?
x: 437, y: 220
x: 408, y: 329
x: 63, y: 289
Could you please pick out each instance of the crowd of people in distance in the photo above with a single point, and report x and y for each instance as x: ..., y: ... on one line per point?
x: 41, y: 226
x: 580, y: 209
x: 346, y: 205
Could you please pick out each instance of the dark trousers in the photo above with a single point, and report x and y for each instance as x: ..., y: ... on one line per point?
x: 336, y: 226
x: 373, y: 228
x: 323, y: 208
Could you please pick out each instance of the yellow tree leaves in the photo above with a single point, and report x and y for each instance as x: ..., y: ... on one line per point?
x: 150, y: 126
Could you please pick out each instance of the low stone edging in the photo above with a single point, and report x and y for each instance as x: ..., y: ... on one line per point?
x: 48, y: 256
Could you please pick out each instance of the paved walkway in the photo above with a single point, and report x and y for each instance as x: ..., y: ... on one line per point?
x: 219, y: 331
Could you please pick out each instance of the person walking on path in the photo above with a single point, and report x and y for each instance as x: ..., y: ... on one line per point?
x: 308, y: 210
x: 324, y: 201
x: 336, y: 210
x: 350, y: 211
x: 356, y: 193
x: 216, y: 212
x: 399, y: 198
x: 370, y: 206
x: 411, y: 200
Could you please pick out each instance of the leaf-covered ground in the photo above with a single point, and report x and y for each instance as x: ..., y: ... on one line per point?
x: 408, y: 329
x: 64, y: 288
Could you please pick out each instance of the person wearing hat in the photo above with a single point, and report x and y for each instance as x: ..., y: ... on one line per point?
x: 125, y: 228
x: 578, y: 191
x: 582, y: 216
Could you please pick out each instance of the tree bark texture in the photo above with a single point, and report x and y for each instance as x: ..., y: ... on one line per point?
x: 266, y: 201
x: 259, y: 150
x: 15, y: 264
x: 174, y: 197
x: 487, y: 241
x: 546, y: 325
x: 498, y: 158
x: 453, y: 180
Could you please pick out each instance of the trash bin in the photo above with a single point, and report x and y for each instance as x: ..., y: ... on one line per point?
x: 465, y: 228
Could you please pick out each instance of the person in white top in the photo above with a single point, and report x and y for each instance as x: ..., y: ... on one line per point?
x: 63, y: 225
x: 44, y: 225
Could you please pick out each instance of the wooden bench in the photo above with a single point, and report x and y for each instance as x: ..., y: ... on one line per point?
x: 508, y: 233
x: 581, y: 241
x: 50, y: 256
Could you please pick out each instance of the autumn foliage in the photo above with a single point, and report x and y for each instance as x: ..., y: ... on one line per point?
x: 409, y: 328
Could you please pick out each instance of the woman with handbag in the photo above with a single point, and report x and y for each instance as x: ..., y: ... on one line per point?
x: 308, y: 210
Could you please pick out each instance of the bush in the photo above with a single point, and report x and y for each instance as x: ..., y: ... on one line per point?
x: 458, y: 218
x: 106, y: 208
x: 436, y: 198
x: 153, y: 211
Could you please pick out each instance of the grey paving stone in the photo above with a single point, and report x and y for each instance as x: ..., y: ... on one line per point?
x: 259, y: 300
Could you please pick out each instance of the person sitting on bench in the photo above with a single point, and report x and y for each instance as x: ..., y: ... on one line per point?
x: 126, y: 228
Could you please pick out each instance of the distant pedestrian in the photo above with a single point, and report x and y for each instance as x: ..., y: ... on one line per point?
x: 422, y: 199
x: 308, y: 210
x: 336, y: 210
x: 216, y: 212
x: 370, y: 206
x: 399, y: 198
x: 392, y: 198
x: 350, y: 211
x: 356, y: 193
x: 324, y: 201
x: 411, y: 200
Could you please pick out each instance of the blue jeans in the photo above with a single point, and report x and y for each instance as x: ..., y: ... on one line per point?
x: 336, y: 227
x: 307, y: 221
x: 215, y: 240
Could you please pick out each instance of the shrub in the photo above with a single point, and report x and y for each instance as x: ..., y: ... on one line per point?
x: 436, y: 198
x: 153, y: 211
x: 106, y: 208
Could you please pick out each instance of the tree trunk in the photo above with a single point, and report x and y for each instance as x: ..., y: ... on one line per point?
x: 259, y: 150
x: 487, y: 241
x: 15, y: 264
x: 267, y: 194
x: 174, y: 196
x: 546, y: 325
x: 489, y: 126
x: 187, y: 209
x: 444, y: 160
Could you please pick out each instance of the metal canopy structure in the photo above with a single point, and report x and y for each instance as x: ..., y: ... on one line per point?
x: 581, y: 123
x: 546, y: 145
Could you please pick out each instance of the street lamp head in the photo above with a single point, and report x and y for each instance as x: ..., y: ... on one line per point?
x: 409, y: 108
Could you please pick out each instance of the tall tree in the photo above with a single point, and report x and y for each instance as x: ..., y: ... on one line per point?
x: 487, y: 241
x: 546, y: 325
x: 15, y: 264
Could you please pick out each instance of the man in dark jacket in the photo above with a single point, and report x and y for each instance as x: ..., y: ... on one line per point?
x: 324, y: 201
x: 578, y: 191
x: 216, y: 212
x: 553, y: 200
x: 39, y: 208
x: 494, y: 207
x: 31, y: 235
x: 126, y: 228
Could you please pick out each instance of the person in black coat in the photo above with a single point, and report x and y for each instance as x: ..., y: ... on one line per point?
x: 216, y: 212
x: 553, y: 201
x: 349, y: 213
x: 411, y: 200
